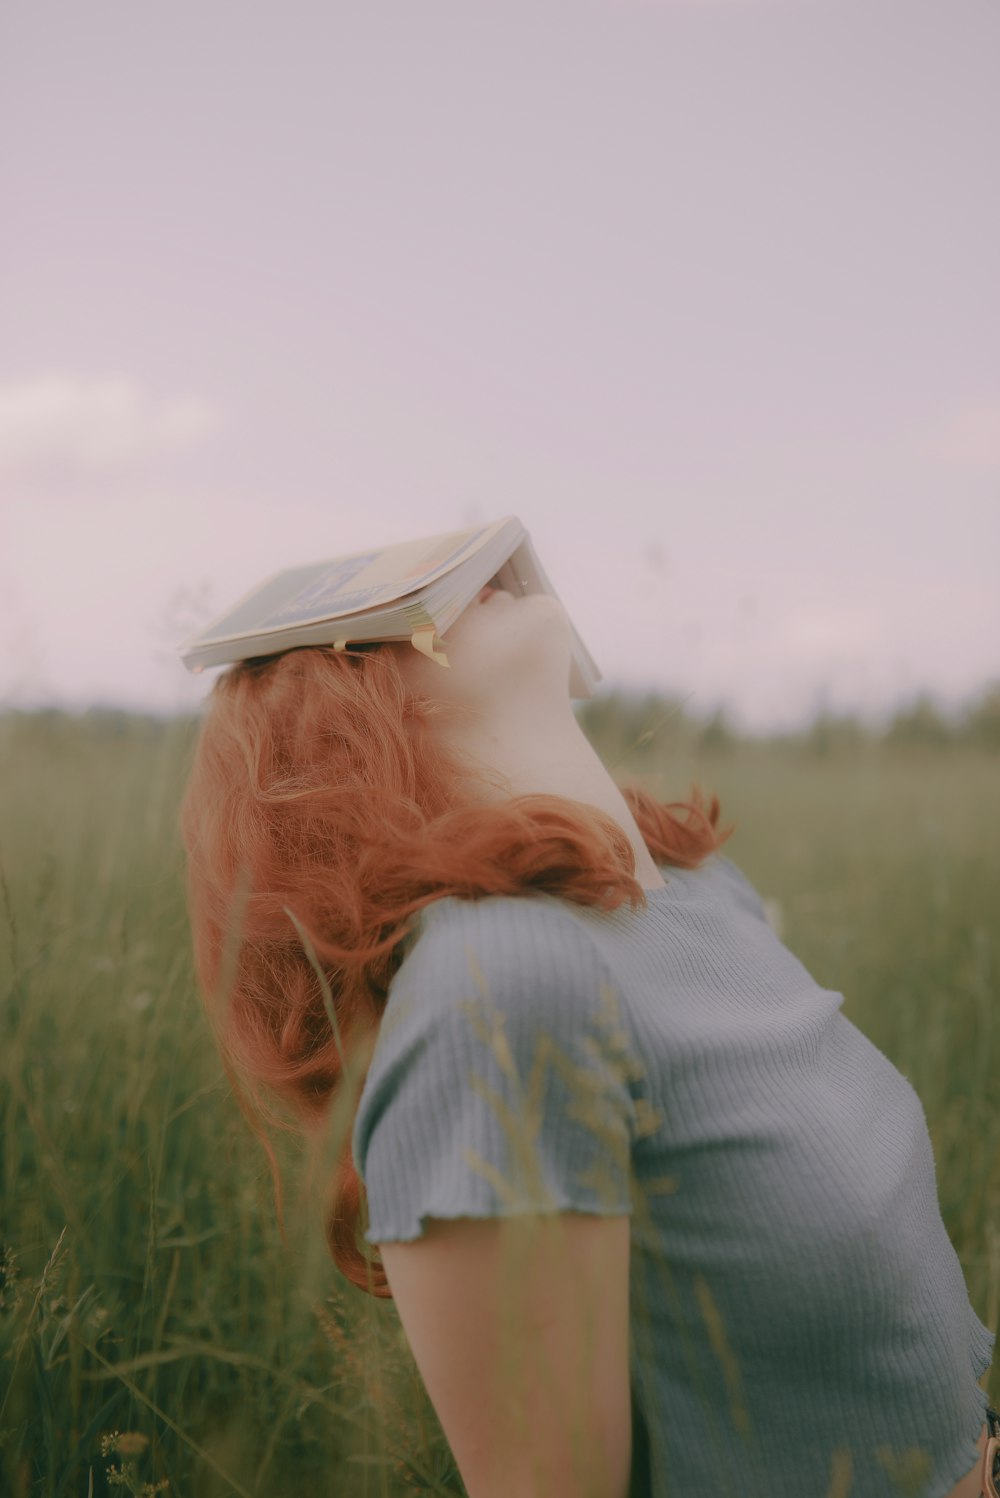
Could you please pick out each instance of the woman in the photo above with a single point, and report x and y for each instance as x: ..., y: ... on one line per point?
x: 656, y: 1216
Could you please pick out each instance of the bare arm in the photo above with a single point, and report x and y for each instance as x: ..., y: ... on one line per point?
x: 519, y: 1327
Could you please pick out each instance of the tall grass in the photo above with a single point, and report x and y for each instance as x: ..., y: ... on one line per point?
x: 154, y: 1327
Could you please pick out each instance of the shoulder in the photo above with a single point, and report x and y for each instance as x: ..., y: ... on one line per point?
x: 502, y: 973
x: 522, y: 949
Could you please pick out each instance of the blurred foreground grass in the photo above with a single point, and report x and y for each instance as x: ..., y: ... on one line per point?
x: 145, y: 1288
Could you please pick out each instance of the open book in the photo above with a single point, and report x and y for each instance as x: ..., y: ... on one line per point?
x: 411, y: 591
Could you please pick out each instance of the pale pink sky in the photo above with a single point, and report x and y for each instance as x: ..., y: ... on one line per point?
x: 704, y: 290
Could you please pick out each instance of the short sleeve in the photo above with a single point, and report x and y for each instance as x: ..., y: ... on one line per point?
x: 501, y: 1081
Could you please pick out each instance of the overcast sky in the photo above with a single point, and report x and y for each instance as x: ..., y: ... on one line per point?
x: 705, y: 291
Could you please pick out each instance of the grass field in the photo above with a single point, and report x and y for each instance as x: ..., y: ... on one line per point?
x: 145, y: 1287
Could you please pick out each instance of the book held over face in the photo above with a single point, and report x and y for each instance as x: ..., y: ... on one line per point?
x: 414, y: 591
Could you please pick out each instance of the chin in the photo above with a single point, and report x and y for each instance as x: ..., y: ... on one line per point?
x: 503, y: 622
x: 542, y: 602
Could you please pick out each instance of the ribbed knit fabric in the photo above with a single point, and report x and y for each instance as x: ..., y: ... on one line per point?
x: 799, y: 1317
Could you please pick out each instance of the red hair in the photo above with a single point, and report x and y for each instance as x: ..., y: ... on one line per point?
x: 316, y: 822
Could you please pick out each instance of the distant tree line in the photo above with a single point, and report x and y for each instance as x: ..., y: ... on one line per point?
x: 639, y: 727
x: 642, y: 726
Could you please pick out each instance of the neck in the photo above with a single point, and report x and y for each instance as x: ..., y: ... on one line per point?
x: 551, y: 756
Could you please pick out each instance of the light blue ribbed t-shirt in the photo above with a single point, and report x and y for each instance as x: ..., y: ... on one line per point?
x: 798, y: 1315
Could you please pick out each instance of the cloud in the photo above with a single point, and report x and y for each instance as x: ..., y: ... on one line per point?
x: 95, y: 426
x: 831, y: 630
x: 969, y: 437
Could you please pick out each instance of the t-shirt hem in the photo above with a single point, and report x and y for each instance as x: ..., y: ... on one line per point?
x: 959, y: 1465
x: 412, y: 1230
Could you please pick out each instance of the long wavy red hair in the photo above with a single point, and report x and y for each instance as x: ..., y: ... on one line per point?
x: 317, y: 820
